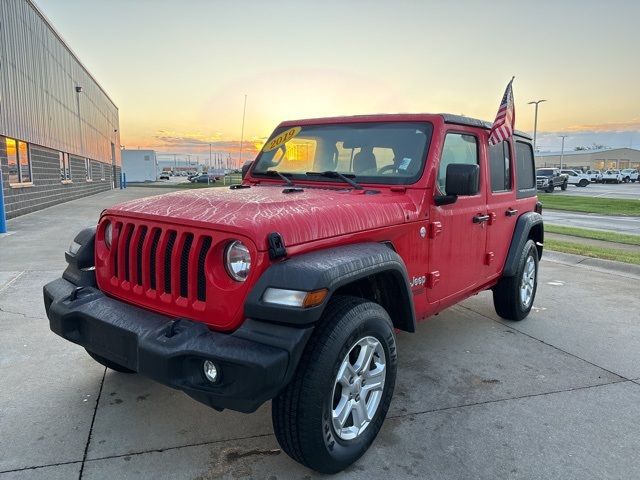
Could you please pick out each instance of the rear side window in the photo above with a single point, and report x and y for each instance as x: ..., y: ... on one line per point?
x: 458, y: 148
x: 500, y: 167
x: 526, y: 177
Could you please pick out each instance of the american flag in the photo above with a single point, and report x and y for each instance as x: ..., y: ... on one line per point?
x: 502, y: 127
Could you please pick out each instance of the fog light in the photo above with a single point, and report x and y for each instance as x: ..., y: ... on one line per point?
x: 210, y: 371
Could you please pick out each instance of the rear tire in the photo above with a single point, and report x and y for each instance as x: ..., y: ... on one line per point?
x: 563, y: 187
x: 109, y: 364
x: 317, y: 418
x: 513, y: 296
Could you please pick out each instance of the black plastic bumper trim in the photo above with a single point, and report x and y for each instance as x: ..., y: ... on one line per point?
x: 256, y: 361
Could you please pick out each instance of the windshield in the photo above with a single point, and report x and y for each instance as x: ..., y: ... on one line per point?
x: 544, y: 173
x: 392, y: 153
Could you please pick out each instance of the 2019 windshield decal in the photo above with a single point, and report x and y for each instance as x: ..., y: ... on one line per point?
x: 281, y: 139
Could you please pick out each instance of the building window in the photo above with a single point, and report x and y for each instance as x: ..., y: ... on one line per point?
x: 65, y: 170
x: 102, y: 177
x: 87, y: 168
x: 19, y: 161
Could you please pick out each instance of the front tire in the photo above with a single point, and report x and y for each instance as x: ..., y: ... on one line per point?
x: 583, y: 183
x: 334, y: 407
x: 513, y: 296
x: 563, y: 187
x: 549, y: 189
x: 109, y: 364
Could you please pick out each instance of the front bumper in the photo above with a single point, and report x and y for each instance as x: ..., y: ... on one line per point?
x: 255, y: 362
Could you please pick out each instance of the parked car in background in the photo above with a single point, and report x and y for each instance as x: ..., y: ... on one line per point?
x: 549, y: 178
x: 630, y: 175
x: 612, y: 176
x: 577, y: 178
x: 595, y: 176
x: 204, y: 178
x: 164, y: 176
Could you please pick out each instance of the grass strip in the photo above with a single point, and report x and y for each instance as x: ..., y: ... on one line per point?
x: 603, y: 206
x: 593, y: 252
x: 594, y: 234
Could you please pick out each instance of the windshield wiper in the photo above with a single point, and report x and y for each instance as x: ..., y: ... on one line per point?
x: 273, y: 173
x: 332, y: 174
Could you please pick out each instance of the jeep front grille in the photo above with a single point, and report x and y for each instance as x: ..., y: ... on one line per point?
x: 161, y: 261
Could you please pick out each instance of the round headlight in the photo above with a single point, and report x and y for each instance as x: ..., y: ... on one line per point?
x: 108, y: 234
x: 237, y: 260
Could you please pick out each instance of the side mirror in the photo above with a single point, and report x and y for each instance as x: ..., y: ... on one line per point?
x: 462, y: 179
x: 245, y: 167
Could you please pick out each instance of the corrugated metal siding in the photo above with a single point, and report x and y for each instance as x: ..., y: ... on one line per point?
x: 38, y: 100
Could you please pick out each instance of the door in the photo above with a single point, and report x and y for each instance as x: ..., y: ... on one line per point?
x: 458, y: 231
x: 501, y: 206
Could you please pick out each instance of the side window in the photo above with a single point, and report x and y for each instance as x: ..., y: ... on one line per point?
x: 87, y: 166
x: 65, y: 171
x: 525, y: 166
x: 12, y: 154
x: 458, y: 148
x: 19, y: 161
x: 25, y: 162
x: 500, y: 167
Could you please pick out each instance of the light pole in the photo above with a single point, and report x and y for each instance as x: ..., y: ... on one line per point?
x: 209, y: 158
x: 535, y: 122
x: 562, y: 150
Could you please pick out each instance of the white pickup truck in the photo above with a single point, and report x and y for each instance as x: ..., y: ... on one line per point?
x: 577, y: 178
x: 630, y: 175
x: 611, y: 176
x: 595, y: 176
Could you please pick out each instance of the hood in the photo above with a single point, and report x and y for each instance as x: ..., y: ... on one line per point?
x: 300, y: 217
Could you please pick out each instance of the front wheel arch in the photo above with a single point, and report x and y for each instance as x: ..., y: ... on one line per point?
x: 355, y: 267
x: 388, y: 290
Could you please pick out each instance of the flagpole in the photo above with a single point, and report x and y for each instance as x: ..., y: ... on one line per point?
x: 244, y: 111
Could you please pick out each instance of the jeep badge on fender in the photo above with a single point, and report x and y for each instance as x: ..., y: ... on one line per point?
x: 291, y: 288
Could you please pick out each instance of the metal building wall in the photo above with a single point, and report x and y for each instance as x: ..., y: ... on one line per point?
x: 38, y: 99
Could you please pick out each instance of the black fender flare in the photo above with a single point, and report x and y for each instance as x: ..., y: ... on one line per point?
x: 79, y: 270
x: 331, y: 269
x: 525, y: 223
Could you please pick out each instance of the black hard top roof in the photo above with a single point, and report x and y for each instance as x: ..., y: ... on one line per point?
x: 475, y: 122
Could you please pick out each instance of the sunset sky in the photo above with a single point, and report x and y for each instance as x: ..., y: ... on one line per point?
x: 179, y: 70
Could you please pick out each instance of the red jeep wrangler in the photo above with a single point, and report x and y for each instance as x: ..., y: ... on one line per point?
x: 290, y: 287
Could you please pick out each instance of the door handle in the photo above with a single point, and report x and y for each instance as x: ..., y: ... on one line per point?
x: 510, y: 212
x: 481, y: 218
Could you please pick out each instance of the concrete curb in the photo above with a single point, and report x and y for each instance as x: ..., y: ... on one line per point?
x: 608, y: 266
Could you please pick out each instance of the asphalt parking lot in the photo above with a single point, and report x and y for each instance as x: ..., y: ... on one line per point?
x: 555, y: 396
x: 593, y: 221
x: 604, y: 190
